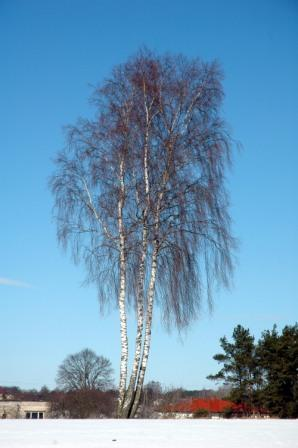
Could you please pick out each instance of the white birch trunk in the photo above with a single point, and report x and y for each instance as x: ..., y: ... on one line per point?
x: 147, y: 337
x: 150, y: 300
x: 122, y: 295
x: 139, y: 335
x: 140, y: 293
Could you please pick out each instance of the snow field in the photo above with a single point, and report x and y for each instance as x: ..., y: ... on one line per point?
x: 149, y: 433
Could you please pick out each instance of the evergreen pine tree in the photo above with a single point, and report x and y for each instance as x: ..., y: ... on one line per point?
x: 239, y: 366
x: 277, y: 356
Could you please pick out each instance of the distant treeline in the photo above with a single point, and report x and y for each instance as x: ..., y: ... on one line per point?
x: 102, y: 404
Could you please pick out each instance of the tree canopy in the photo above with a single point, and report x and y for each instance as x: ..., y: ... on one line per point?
x: 85, y: 371
x: 140, y: 197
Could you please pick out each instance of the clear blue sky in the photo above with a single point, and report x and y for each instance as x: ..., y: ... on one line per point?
x: 51, y: 52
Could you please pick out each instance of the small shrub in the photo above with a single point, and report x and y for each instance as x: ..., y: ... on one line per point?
x: 201, y: 413
x: 227, y: 413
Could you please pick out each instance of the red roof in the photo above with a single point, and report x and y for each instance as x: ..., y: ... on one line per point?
x: 213, y: 405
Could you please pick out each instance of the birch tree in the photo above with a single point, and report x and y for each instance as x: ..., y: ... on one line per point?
x: 140, y: 198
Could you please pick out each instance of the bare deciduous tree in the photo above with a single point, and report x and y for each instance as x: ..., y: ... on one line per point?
x: 85, y: 371
x: 82, y: 404
x: 140, y: 197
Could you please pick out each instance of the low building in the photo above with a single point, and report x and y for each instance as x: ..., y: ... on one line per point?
x: 211, y: 407
x: 24, y: 409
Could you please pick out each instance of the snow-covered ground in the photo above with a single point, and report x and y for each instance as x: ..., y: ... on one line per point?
x: 149, y: 433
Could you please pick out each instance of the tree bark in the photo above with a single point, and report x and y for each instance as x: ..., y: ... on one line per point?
x: 150, y: 295
x: 147, y: 337
x: 130, y: 394
x: 139, y: 335
x: 122, y: 294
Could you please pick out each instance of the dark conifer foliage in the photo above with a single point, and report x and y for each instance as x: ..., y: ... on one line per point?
x: 263, y: 374
x: 239, y: 367
x: 278, y: 358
